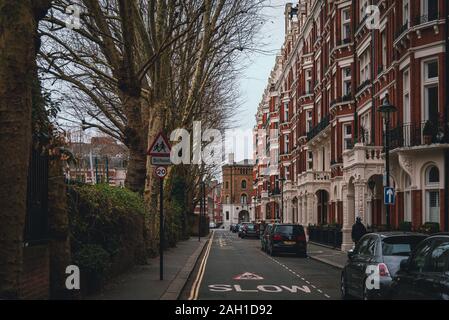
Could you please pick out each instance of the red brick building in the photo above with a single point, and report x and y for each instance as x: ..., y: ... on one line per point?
x: 338, y: 63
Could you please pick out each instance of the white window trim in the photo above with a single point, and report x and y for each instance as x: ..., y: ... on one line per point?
x: 346, y: 136
x: 345, y: 78
x: 426, y: 83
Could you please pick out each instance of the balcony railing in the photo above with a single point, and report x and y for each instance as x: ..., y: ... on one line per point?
x: 318, y: 128
x: 343, y: 42
x: 345, y: 98
x: 426, y: 18
x: 380, y: 69
x: 417, y: 134
x: 363, y: 85
x: 401, y: 30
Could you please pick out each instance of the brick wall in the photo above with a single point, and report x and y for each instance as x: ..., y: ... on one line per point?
x: 35, y: 279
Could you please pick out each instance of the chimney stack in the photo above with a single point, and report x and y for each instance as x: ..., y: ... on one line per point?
x: 231, y: 158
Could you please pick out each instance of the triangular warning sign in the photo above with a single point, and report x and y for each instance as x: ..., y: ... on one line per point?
x: 160, y: 147
x: 248, y: 276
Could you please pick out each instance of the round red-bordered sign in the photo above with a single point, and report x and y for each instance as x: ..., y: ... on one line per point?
x: 161, y: 172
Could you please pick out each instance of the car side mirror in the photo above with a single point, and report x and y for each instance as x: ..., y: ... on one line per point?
x: 404, y: 265
x: 351, y: 253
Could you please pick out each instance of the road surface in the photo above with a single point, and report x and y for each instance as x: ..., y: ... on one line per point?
x: 231, y: 268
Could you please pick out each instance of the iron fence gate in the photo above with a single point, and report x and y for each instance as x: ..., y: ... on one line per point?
x: 36, y: 223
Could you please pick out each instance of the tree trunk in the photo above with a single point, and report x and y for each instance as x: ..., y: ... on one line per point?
x: 60, y: 256
x: 135, y: 140
x: 17, y: 61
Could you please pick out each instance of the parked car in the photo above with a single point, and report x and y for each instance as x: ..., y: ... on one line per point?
x: 240, y: 230
x: 264, y: 237
x: 232, y: 227
x: 250, y: 230
x: 212, y: 225
x: 235, y: 227
x: 287, y: 238
x: 425, y: 274
x: 383, y: 251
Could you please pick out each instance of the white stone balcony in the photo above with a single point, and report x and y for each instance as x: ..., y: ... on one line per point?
x: 314, y: 177
x: 362, y: 155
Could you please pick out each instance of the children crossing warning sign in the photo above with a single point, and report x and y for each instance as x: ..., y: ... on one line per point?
x: 160, y: 147
x: 248, y: 276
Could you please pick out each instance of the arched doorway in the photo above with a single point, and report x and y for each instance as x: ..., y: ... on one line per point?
x: 244, y: 216
x: 322, y: 206
x: 375, y: 212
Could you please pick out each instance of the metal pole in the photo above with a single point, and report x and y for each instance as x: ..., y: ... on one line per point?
x: 282, y: 202
x: 161, y: 229
x: 446, y: 127
x: 107, y: 170
x: 387, y: 164
x: 201, y: 211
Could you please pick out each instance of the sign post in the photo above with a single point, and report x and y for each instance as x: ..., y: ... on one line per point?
x: 161, y: 228
x: 160, y: 156
x: 389, y: 196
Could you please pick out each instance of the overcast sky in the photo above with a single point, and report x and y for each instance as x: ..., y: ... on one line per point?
x: 255, y: 77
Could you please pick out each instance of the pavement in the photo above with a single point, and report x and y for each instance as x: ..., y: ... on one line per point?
x: 231, y: 268
x: 142, y: 282
x: 330, y: 256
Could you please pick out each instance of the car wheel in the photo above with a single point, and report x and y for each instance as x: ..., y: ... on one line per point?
x: 344, y: 288
x: 365, y: 294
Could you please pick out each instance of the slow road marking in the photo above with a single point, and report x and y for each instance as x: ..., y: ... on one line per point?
x: 267, y: 288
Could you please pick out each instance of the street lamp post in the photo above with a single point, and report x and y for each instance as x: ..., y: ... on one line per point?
x: 387, y: 109
x: 282, y: 199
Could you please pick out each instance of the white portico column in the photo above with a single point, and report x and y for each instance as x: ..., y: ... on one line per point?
x: 348, y: 220
x: 360, y: 200
x: 263, y: 209
x: 288, y: 210
x: 310, y: 209
x: 304, y: 211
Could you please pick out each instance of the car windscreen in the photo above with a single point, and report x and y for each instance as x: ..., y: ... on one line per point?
x: 251, y: 227
x: 400, y: 246
x: 289, y: 230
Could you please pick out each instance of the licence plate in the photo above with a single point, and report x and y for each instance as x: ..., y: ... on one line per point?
x: 289, y: 242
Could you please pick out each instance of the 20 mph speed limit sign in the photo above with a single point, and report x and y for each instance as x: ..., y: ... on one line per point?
x: 161, y: 172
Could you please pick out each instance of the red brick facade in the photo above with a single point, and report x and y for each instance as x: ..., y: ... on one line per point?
x: 332, y: 75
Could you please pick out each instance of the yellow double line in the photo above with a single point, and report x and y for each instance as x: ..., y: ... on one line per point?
x: 199, y: 277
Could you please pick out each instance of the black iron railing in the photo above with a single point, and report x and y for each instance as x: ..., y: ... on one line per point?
x: 324, y: 123
x: 426, y: 18
x: 327, y: 235
x: 363, y: 85
x: 36, y: 223
x: 417, y: 134
x: 343, y: 42
x: 401, y: 30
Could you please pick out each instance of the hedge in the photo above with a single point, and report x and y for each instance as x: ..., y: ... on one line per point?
x: 107, y: 231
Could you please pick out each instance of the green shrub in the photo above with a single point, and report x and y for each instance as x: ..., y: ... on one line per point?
x: 106, y: 227
x: 92, y: 258
x: 430, y: 227
x: 405, y: 226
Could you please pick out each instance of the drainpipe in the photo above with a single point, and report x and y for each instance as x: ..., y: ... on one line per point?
x: 445, y: 115
x: 373, y: 87
x: 354, y: 27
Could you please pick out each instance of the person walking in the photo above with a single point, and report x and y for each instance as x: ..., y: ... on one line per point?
x: 358, y: 230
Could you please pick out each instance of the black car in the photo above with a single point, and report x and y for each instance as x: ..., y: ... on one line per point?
x: 287, y: 238
x: 250, y: 230
x: 425, y: 275
x: 373, y: 263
